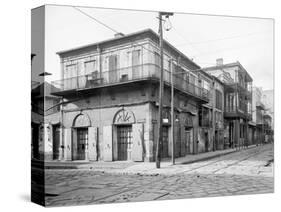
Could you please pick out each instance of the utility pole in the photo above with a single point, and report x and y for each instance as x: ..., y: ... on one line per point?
x: 172, y: 111
x: 161, y: 90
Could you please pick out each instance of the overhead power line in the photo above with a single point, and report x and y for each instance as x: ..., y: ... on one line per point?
x: 220, y: 39
x: 105, y: 25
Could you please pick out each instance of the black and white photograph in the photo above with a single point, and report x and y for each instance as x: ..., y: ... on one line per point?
x: 135, y: 105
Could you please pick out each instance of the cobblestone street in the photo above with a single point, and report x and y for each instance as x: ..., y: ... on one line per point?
x: 248, y: 171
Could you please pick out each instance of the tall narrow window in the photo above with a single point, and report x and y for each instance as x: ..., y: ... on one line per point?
x: 90, y: 66
x: 218, y: 99
x: 136, y: 64
x: 112, y: 68
x: 157, y: 59
x: 70, y: 76
x: 157, y: 64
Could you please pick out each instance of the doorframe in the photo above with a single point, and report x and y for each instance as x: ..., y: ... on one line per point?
x: 53, y: 140
x: 74, y: 130
x: 115, y: 128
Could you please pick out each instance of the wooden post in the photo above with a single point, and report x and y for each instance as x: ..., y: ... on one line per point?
x: 160, y: 121
x: 172, y: 110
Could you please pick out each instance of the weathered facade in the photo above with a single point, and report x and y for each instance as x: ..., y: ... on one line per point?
x: 110, y: 100
x: 211, y: 114
x: 45, y: 122
x: 237, y: 101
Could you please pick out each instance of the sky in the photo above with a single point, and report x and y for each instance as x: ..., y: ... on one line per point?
x: 204, y: 38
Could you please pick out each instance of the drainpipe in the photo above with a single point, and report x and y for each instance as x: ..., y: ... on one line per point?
x: 62, y: 156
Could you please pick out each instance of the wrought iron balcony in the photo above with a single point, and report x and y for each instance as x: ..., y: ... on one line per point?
x: 142, y: 72
x: 241, y: 111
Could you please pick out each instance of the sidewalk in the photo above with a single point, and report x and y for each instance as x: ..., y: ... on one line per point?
x: 129, y: 167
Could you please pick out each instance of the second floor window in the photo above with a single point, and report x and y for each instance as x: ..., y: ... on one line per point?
x: 113, y: 68
x: 90, y: 66
x: 218, y: 99
x: 70, y: 71
x: 112, y: 63
x: 156, y: 59
x: 136, y: 63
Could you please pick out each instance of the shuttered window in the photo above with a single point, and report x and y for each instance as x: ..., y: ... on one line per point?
x: 218, y: 100
x: 90, y: 66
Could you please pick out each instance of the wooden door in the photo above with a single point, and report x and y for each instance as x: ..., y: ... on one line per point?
x: 35, y: 140
x: 189, y: 141
x: 206, y: 141
x: 165, y: 142
x: 56, y: 142
x: 188, y: 145
x: 82, y: 141
x: 124, y: 142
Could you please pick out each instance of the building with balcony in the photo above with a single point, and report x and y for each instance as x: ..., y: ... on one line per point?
x: 110, y: 92
x: 268, y: 100
x: 267, y: 128
x: 210, y: 115
x: 237, y: 100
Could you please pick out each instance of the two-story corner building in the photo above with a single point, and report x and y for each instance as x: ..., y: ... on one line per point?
x: 211, y: 127
x: 110, y: 93
x: 45, y: 122
x: 237, y: 100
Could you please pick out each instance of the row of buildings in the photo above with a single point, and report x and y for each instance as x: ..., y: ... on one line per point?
x: 105, y: 106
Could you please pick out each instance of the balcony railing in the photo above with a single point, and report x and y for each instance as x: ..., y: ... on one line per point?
x: 240, y: 110
x: 230, y: 109
x: 128, y: 74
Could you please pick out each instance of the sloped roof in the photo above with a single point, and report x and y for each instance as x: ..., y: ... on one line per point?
x: 43, y: 90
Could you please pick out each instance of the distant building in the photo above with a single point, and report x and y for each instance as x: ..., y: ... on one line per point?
x: 268, y: 99
x: 237, y: 100
x: 110, y: 92
x: 268, y: 130
x: 258, y: 110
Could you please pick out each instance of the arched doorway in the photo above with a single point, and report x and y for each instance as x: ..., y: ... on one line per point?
x: 80, y: 137
x: 123, y: 121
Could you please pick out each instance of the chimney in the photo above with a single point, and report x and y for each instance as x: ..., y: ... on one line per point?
x: 119, y: 35
x: 219, y: 61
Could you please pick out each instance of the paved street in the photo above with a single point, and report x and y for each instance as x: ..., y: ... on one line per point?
x: 248, y: 171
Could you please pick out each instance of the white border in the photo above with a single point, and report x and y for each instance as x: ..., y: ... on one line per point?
x: 15, y: 104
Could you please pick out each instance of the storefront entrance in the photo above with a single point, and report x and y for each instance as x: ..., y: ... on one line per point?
x: 35, y: 140
x: 189, y: 140
x: 165, y: 144
x: 56, y: 141
x: 124, y: 142
x: 79, y: 144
